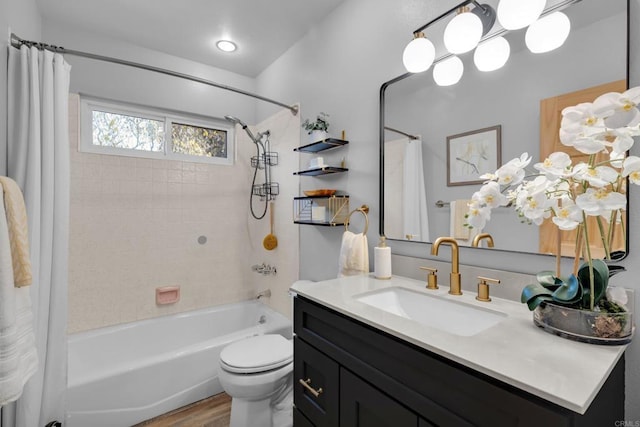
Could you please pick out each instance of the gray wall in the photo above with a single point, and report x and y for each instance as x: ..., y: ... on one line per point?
x: 338, y: 68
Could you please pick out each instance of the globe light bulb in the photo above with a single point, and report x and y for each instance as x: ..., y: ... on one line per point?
x: 516, y: 14
x: 419, y: 54
x: 548, y: 33
x: 492, y: 54
x: 463, y: 33
x: 448, y: 72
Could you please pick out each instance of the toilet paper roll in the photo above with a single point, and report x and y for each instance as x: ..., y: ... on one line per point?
x: 382, y: 263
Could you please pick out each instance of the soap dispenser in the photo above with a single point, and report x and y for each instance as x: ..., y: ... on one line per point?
x: 382, y: 260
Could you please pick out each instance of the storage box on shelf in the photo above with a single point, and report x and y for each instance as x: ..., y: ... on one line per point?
x: 321, y: 210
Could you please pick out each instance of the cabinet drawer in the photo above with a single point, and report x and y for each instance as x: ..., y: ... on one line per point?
x: 318, y: 398
x: 300, y: 420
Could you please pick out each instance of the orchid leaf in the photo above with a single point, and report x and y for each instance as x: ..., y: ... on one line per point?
x: 548, y: 280
x: 569, y: 291
x: 600, y: 281
x: 532, y: 291
x: 537, y: 300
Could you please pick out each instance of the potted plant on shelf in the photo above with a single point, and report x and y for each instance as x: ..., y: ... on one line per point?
x: 580, y: 306
x: 317, y: 129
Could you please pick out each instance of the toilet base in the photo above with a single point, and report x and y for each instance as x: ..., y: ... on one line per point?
x: 274, y: 411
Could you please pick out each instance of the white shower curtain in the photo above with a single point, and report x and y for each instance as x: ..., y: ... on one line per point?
x: 416, y: 220
x: 38, y: 159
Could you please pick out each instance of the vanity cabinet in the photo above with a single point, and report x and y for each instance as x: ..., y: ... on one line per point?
x: 369, y: 378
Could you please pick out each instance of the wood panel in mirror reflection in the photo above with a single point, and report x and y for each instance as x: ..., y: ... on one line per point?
x: 512, y: 97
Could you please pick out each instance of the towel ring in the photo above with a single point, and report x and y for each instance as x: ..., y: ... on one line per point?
x: 364, y: 209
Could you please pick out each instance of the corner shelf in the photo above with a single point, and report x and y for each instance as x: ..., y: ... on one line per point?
x: 322, y: 145
x: 325, y: 170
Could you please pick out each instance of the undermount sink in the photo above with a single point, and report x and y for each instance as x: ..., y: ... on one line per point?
x: 454, y: 317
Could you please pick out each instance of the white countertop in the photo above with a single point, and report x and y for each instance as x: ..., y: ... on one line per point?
x: 514, y: 351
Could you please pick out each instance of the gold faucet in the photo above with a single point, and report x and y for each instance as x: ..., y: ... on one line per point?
x: 454, y: 284
x: 476, y: 240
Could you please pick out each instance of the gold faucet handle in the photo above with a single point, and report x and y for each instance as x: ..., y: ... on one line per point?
x: 483, y: 288
x: 432, y: 277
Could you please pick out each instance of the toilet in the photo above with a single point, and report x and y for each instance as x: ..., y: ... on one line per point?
x: 257, y: 372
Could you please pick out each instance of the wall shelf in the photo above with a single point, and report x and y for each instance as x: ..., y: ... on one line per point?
x: 334, y: 210
x: 325, y: 170
x: 323, y: 145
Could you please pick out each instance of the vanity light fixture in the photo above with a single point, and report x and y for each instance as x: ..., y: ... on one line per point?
x: 226, y: 45
x: 448, y: 72
x: 492, y: 54
x: 516, y: 14
x: 461, y: 35
x: 548, y: 33
x: 419, y: 54
x: 465, y: 30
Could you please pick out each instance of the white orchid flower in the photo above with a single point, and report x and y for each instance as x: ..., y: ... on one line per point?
x: 557, y: 165
x: 478, y: 215
x: 599, y: 176
x: 631, y: 168
x: 596, y: 202
x: 568, y: 216
x: 520, y: 162
x: 510, y: 175
x: 490, y: 195
x: 620, y: 109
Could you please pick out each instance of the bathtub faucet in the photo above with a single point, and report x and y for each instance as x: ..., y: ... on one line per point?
x: 264, y: 294
x: 264, y: 269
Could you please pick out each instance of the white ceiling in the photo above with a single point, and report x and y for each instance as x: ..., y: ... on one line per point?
x: 262, y: 29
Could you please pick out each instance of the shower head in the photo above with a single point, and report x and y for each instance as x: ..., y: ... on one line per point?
x: 236, y: 120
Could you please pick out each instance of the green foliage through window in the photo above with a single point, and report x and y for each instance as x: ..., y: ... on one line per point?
x: 123, y: 131
x: 198, y: 141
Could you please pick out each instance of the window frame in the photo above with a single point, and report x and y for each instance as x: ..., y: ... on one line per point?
x: 90, y: 104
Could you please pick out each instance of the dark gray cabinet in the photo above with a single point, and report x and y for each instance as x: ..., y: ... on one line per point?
x: 371, y: 378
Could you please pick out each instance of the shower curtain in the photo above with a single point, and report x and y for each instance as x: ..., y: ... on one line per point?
x: 416, y: 220
x: 38, y: 159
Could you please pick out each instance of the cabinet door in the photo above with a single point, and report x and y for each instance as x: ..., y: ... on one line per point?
x: 362, y: 405
x: 318, y: 400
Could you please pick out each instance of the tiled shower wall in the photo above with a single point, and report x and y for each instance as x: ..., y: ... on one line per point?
x: 135, y: 225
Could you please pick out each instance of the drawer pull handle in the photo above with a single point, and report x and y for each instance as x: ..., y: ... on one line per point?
x: 311, y: 390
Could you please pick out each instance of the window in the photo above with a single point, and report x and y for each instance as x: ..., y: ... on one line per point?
x: 125, y: 130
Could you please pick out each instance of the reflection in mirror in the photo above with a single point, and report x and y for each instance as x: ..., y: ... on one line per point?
x: 516, y: 97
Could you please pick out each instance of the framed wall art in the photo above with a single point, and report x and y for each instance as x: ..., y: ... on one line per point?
x: 472, y: 154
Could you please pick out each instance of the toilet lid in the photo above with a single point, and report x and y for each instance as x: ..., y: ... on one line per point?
x: 257, y: 354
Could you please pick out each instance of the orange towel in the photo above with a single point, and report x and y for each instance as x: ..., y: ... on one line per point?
x: 18, y: 231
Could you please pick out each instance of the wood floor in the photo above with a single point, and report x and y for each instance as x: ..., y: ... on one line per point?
x: 214, y: 411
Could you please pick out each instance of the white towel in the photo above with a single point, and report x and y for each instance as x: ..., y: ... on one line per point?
x: 456, y: 223
x: 354, y: 255
x: 18, y: 358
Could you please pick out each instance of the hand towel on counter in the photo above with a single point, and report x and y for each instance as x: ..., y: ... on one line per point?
x: 18, y: 357
x: 354, y: 255
x: 16, y: 215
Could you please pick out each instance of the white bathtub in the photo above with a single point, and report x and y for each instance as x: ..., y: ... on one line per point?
x: 125, y: 374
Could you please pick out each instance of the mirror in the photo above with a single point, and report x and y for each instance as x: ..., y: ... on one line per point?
x: 508, y: 99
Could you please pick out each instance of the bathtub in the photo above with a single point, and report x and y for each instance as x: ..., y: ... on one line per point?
x: 124, y: 374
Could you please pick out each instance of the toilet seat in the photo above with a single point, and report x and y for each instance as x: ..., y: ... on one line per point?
x: 257, y: 354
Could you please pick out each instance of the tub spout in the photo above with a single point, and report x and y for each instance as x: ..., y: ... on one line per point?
x: 264, y: 294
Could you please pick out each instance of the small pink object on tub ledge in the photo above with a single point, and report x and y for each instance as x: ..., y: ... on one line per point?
x: 167, y: 295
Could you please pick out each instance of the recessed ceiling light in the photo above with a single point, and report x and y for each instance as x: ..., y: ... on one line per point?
x: 226, y: 46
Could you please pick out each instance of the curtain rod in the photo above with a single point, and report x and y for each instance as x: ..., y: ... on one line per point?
x: 17, y: 42
x: 408, y: 135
